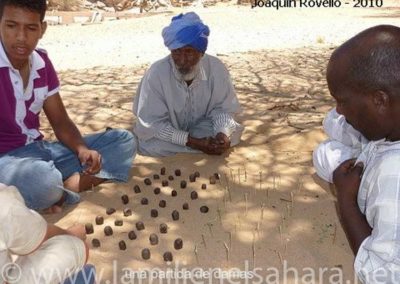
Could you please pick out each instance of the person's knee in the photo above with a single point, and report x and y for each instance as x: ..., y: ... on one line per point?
x: 42, y: 186
x: 124, y: 139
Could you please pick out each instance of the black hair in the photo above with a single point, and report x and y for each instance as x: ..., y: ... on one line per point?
x: 373, y: 60
x: 38, y: 6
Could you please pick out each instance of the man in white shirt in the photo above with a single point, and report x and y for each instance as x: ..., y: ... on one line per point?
x: 364, y: 78
x: 44, y: 252
x: 186, y: 101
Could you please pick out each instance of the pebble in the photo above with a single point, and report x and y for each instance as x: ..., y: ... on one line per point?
x: 139, y: 226
x: 174, y: 193
x: 144, y: 201
x: 175, y: 215
x: 146, y: 254
x: 136, y: 189
x: 178, y: 244
x: 125, y: 199
x: 183, y: 184
x: 203, y: 186
x: 147, y: 181
x: 162, y: 171
x: 127, y: 212
x: 157, y: 190
x: 178, y: 172
x: 95, y: 243
x: 156, y: 176
x: 192, y: 178
x: 194, y: 195
x: 162, y: 203
x: 153, y: 239
x: 167, y: 256
x: 99, y: 220
x: 216, y: 175
x: 132, y: 235
x: 163, y: 228
x: 122, y: 245
x: 185, y: 206
x: 212, y: 180
x: 204, y: 209
x: 164, y: 183
x: 89, y: 228
x: 108, y: 231
x: 110, y: 211
x: 171, y: 178
x: 154, y: 213
x: 197, y: 174
x: 118, y: 223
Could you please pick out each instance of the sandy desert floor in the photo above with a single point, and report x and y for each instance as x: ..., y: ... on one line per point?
x: 269, y: 211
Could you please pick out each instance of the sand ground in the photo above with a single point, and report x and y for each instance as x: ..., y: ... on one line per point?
x: 269, y: 208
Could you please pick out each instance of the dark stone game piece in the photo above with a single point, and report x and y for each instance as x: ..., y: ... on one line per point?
x: 171, y: 178
x: 197, y: 174
x: 192, y: 178
x: 156, y: 176
x: 146, y: 254
x: 127, y: 212
x: 154, y: 213
x: 178, y: 244
x: 108, y: 231
x: 162, y: 203
x: 216, y: 175
x: 132, y: 235
x: 167, y: 256
x: 174, y: 193
x: 185, y: 206
x: 89, y: 228
x: 118, y: 223
x: 164, y: 183
x: 122, y: 245
x: 125, y: 199
x: 162, y: 171
x: 144, y: 201
x: 212, y: 180
x: 178, y: 172
x: 157, y: 190
x: 183, y: 184
x: 203, y: 186
x: 147, y: 181
x: 136, y: 189
x: 194, y: 195
x: 95, y: 243
x: 110, y: 211
x: 139, y: 226
x: 175, y: 215
x: 163, y: 228
x: 204, y: 209
x: 153, y: 239
x: 99, y: 220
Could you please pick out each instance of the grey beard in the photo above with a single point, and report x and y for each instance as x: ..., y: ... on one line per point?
x: 192, y: 74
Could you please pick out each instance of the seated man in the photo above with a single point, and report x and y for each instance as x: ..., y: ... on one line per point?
x: 46, y: 174
x: 186, y: 101
x: 364, y: 78
x: 44, y: 252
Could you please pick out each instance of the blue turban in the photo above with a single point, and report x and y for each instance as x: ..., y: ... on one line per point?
x: 186, y: 29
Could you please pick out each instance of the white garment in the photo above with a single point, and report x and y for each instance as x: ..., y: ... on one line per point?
x: 166, y: 108
x: 378, y: 258
x: 344, y: 143
x: 21, y: 234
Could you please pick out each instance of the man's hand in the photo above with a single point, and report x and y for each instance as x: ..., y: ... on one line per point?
x: 90, y: 160
x: 347, y: 178
x: 207, y: 145
x: 223, y: 141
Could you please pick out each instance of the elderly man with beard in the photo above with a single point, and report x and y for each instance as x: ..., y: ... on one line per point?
x: 186, y: 101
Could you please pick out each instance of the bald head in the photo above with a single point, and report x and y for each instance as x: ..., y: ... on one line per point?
x: 370, y: 61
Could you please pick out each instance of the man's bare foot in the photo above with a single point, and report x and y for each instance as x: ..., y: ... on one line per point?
x: 82, y: 182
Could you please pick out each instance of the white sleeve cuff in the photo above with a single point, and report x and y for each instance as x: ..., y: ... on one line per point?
x: 173, y: 135
x: 224, y: 122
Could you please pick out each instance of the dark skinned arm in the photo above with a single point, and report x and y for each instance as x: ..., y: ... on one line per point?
x: 347, y: 178
x: 68, y: 134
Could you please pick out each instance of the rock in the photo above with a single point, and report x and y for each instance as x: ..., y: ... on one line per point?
x: 144, y: 201
x: 127, y: 212
x: 122, y: 245
x: 174, y: 193
x: 162, y: 203
x: 118, y: 223
x: 183, y: 184
x: 139, y: 226
x: 203, y: 186
x: 171, y: 178
x: 146, y: 254
x: 157, y: 190
x: 164, y: 183
x: 162, y: 171
x: 125, y: 199
x: 95, y: 243
x: 212, y: 180
x: 185, y: 206
x: 132, y: 235
x: 156, y: 176
x: 192, y: 178
x: 163, y: 228
x: 110, y: 211
x: 154, y: 213
x: 178, y: 244
x: 167, y: 256
x: 108, y: 231
x: 175, y: 215
x: 147, y: 181
x: 136, y: 189
x: 89, y: 228
x: 197, y: 174
x: 194, y: 195
x: 203, y: 209
x: 99, y: 220
x: 153, y: 239
x: 178, y: 172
